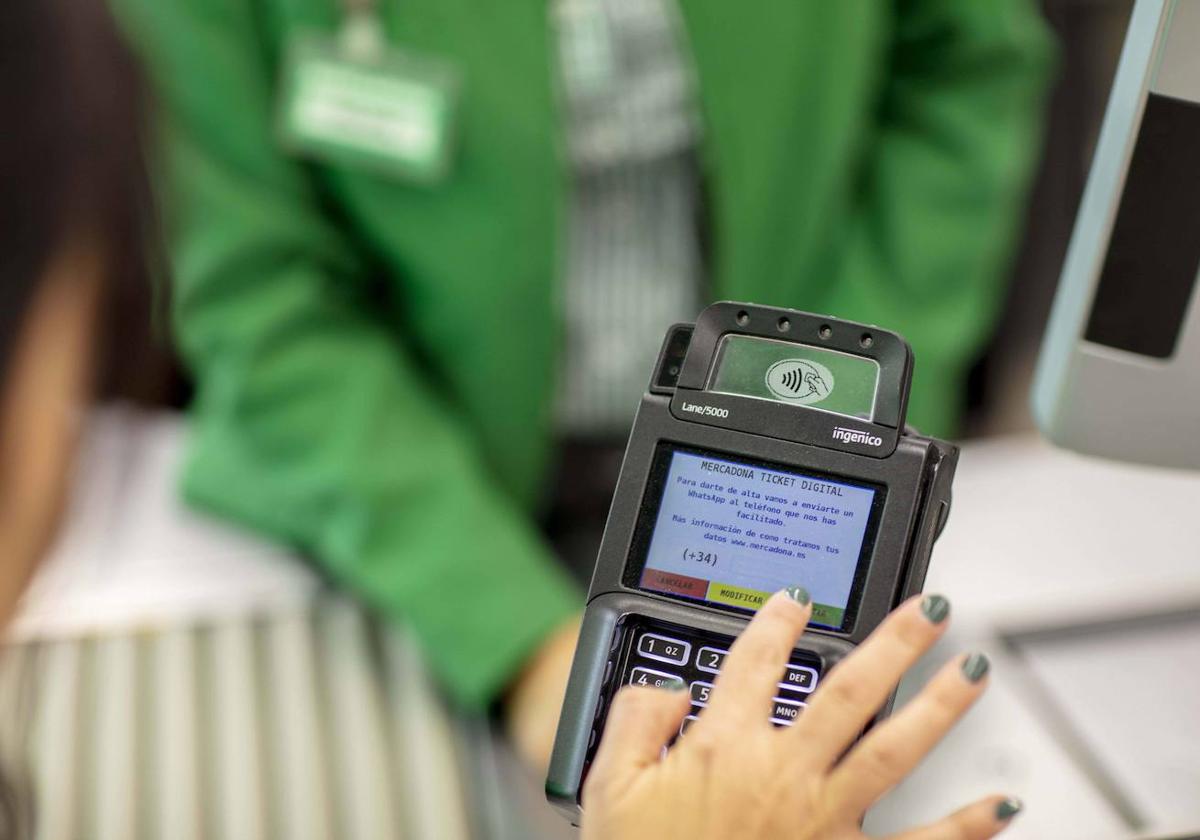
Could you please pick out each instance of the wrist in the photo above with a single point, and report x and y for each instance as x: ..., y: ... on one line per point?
x: 534, y: 698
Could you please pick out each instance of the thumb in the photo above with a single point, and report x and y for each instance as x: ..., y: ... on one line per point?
x: 640, y: 723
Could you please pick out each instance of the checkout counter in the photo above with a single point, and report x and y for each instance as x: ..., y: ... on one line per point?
x: 1079, y: 577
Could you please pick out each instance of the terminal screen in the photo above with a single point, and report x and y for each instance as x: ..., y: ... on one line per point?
x: 731, y: 532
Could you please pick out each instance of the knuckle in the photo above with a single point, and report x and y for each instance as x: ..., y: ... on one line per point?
x: 959, y: 827
x: 636, y: 700
x: 913, y: 631
x: 945, y: 702
x: 844, y: 694
x: 883, y: 762
x: 704, y: 744
x: 763, y: 650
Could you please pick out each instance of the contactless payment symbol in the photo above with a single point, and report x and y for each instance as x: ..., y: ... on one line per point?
x: 799, y: 381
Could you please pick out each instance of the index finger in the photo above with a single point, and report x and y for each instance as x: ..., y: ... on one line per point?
x: 756, y: 661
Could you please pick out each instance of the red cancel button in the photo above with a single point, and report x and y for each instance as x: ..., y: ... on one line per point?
x: 677, y: 584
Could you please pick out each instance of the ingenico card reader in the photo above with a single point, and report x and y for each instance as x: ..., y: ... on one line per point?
x: 769, y: 450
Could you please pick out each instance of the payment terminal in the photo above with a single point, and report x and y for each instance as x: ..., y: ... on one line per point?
x: 769, y: 450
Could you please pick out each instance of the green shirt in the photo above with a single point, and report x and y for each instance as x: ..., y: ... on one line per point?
x: 375, y: 359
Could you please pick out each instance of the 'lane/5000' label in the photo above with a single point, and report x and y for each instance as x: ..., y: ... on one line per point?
x: 705, y: 410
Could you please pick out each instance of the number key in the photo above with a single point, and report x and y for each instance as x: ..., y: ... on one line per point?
x: 664, y: 649
x: 710, y: 659
x: 700, y: 692
x: 786, y: 711
x: 657, y: 679
x: 799, y: 678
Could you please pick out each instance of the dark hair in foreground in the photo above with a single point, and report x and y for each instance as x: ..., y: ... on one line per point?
x: 69, y: 158
x: 69, y: 170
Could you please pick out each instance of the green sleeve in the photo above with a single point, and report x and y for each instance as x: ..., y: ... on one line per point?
x: 311, y: 422
x: 941, y: 196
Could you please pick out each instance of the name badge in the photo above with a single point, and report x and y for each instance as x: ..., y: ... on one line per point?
x: 382, y: 108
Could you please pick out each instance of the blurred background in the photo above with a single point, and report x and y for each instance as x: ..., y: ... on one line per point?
x: 133, y: 648
x: 1089, y: 34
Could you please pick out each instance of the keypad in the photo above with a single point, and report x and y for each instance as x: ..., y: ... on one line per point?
x: 653, y: 653
x: 658, y: 656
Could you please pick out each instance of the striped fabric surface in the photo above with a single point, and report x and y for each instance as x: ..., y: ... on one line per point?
x: 633, y: 259
x: 306, y: 723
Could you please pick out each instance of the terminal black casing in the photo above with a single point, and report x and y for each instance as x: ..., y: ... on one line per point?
x: 915, y: 471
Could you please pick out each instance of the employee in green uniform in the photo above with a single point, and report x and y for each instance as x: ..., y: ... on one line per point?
x: 423, y: 247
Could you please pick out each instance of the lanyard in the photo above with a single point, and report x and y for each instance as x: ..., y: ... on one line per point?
x: 356, y: 100
x: 362, y: 36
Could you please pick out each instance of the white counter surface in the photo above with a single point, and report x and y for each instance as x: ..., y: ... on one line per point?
x: 1095, y: 724
x: 1081, y: 579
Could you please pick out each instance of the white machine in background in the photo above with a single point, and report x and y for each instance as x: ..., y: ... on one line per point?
x: 1119, y: 377
x: 1119, y: 374
x: 1080, y: 577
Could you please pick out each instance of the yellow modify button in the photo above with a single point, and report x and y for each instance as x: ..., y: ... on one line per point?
x: 737, y: 596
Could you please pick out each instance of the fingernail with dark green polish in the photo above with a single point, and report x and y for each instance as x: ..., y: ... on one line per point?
x: 799, y: 594
x: 975, y: 667
x: 935, y: 608
x: 675, y: 685
x: 1008, y: 809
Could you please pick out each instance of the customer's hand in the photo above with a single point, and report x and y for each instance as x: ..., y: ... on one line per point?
x: 533, y: 703
x: 733, y: 775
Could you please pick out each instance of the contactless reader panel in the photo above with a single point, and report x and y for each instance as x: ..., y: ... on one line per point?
x: 770, y: 449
